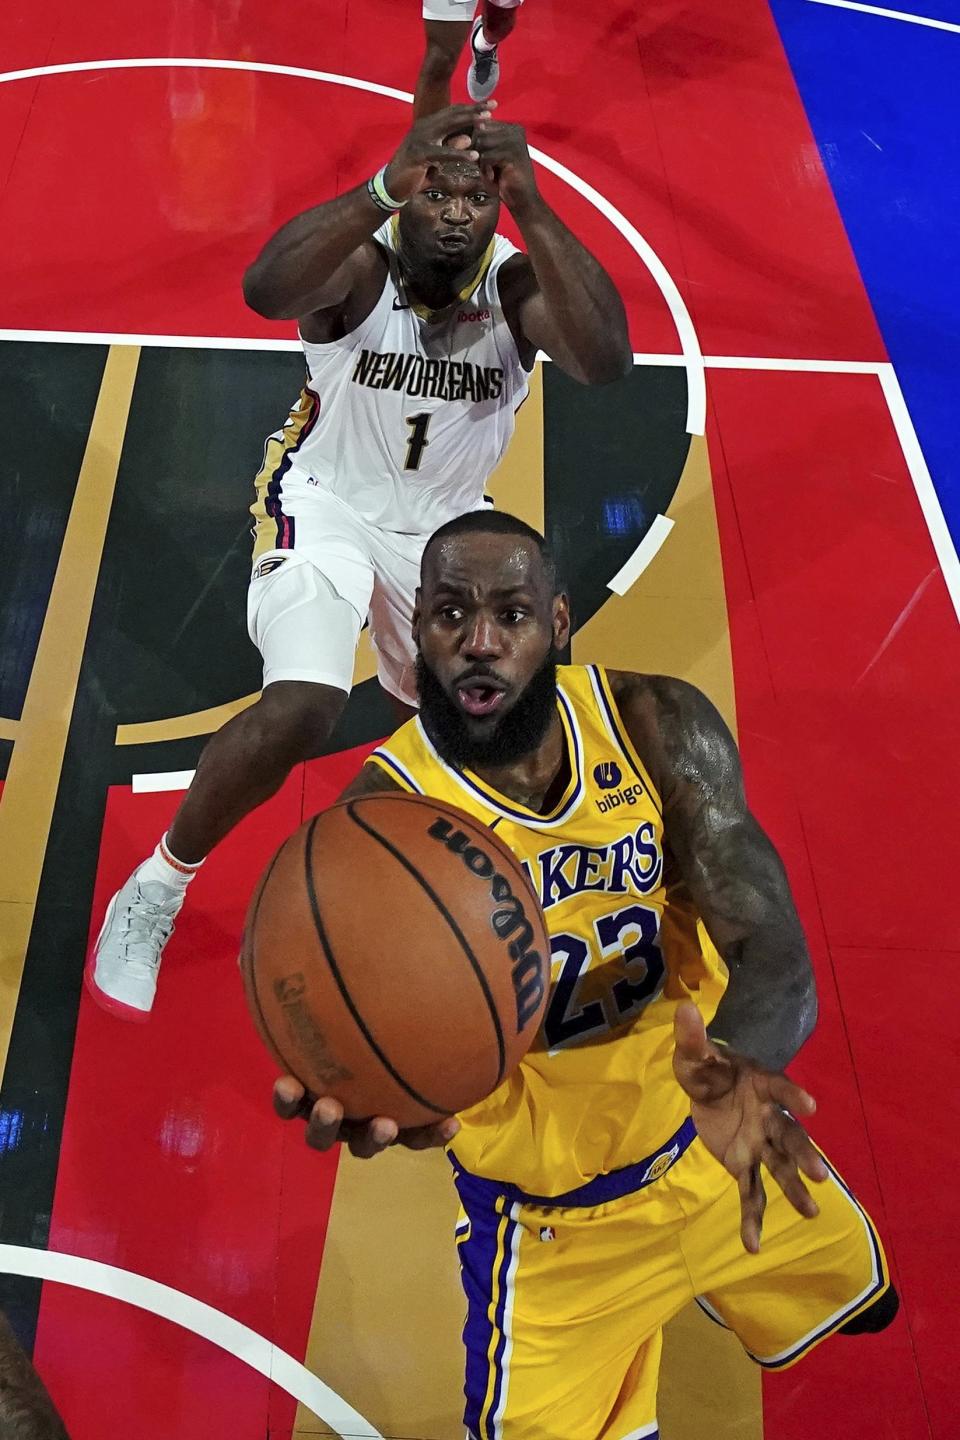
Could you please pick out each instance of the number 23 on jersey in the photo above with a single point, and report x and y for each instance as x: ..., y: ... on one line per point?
x: 627, y: 941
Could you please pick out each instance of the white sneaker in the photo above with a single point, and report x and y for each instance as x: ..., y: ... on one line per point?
x: 121, y: 973
x: 484, y: 72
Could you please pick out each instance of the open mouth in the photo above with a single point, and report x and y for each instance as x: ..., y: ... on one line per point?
x: 455, y: 240
x: 480, y: 697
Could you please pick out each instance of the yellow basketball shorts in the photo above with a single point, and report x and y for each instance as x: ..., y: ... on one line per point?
x: 566, y: 1301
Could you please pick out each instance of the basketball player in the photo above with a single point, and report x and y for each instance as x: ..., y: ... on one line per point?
x: 449, y: 24
x: 421, y: 325
x: 635, y: 1159
x: 26, y: 1410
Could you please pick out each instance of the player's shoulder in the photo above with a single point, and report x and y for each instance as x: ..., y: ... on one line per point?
x: 372, y: 779
x: 514, y: 271
x: 405, y: 760
x: 669, y: 721
x: 655, y: 695
x: 350, y: 295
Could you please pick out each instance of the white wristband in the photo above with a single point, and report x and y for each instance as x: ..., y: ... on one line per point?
x: 379, y: 193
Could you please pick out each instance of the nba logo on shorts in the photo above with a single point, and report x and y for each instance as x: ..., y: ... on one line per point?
x: 547, y: 1232
x: 607, y: 774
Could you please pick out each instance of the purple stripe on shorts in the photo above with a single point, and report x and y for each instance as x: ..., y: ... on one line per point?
x: 478, y: 1259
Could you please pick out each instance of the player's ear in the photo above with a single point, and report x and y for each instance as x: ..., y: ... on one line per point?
x: 561, y: 621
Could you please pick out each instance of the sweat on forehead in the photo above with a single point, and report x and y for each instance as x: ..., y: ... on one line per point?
x: 504, y: 535
x: 484, y: 558
x: 457, y: 169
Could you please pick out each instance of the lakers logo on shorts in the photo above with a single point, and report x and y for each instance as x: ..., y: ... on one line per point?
x: 660, y: 1165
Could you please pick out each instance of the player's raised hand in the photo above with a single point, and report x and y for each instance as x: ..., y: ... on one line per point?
x: 364, y: 1139
x: 744, y: 1115
x: 430, y: 142
x: 504, y: 155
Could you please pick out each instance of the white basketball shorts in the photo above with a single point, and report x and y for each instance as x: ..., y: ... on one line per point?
x: 460, y: 9
x: 308, y: 600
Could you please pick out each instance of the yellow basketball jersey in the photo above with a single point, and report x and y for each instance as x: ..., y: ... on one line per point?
x: 596, y: 1092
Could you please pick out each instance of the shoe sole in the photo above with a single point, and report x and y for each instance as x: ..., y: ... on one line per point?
x: 106, y: 1002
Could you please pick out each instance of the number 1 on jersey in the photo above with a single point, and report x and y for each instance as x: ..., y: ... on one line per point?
x: 418, y: 441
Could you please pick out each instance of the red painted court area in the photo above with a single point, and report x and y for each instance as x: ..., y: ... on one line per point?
x: 130, y: 202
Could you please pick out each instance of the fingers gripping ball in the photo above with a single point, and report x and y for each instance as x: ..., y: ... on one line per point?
x: 395, y: 957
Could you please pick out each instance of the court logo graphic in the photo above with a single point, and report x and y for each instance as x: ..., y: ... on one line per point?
x: 607, y: 774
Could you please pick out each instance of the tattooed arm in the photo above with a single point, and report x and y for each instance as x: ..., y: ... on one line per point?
x: 26, y: 1410
x: 746, y: 1111
x: 733, y: 872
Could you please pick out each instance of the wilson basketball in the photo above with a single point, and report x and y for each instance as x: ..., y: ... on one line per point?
x: 395, y: 957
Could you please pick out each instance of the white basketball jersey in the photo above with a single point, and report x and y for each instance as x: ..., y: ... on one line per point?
x: 405, y: 419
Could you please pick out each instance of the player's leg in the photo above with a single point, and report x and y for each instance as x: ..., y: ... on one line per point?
x: 396, y: 561
x: 564, y: 1315
x: 446, y: 25
x: 307, y: 633
x: 491, y: 27
x: 811, y: 1278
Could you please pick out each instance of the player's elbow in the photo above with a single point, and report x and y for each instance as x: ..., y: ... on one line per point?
x: 262, y: 297
x: 619, y: 368
x: 612, y: 362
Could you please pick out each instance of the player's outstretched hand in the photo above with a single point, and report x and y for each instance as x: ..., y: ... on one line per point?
x: 364, y: 1138
x: 744, y: 1116
x: 430, y: 141
x: 503, y: 154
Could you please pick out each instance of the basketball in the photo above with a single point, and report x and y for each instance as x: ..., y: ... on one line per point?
x: 395, y: 957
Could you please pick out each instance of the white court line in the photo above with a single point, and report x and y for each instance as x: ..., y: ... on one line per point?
x: 891, y: 14
x: 169, y: 780
x: 240, y: 342
x: 773, y: 362
x: 687, y: 335
x: 200, y: 1319
x: 161, y: 342
x: 162, y: 780
x: 642, y: 556
x: 923, y: 484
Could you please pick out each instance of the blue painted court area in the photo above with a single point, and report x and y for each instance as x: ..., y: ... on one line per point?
x: 883, y: 98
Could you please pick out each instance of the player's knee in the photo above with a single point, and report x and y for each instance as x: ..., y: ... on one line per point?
x: 876, y: 1317
x: 439, y: 63
x: 293, y: 719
